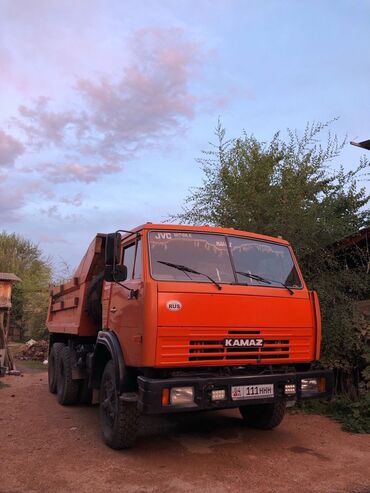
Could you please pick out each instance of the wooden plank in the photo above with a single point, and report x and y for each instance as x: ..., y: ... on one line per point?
x: 71, y: 303
x: 65, y: 288
x: 55, y: 307
x: 65, y: 304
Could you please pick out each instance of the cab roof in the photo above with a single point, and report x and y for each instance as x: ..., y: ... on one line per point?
x: 209, y: 229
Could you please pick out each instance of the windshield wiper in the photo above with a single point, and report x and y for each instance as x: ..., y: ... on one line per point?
x: 185, y: 269
x: 263, y: 279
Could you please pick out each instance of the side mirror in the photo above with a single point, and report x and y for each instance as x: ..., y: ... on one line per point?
x: 118, y: 274
x: 112, y: 248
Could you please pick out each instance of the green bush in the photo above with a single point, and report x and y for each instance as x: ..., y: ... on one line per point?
x: 30, y: 296
x: 296, y: 186
x: 353, y: 415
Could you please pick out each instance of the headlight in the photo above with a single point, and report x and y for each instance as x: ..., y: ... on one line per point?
x: 218, y: 395
x: 181, y: 395
x: 310, y: 385
x: 289, y: 389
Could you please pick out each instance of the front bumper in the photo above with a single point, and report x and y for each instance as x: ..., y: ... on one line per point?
x: 150, y: 390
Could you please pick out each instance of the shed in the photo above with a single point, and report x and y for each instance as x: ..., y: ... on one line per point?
x: 7, y: 280
x: 354, y: 251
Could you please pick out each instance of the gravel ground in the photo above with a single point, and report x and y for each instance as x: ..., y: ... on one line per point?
x: 45, y: 447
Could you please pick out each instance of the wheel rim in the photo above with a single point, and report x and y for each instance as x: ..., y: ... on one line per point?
x: 109, y: 401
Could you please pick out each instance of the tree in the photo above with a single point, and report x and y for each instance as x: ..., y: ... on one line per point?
x: 30, y: 297
x: 289, y: 187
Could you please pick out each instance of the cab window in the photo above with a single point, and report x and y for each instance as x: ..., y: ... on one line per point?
x: 138, y: 262
x: 132, y: 260
x: 129, y: 259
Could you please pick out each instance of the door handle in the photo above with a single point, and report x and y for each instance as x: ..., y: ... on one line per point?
x: 113, y: 310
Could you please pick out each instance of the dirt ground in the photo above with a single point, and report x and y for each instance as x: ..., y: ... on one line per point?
x: 45, y: 447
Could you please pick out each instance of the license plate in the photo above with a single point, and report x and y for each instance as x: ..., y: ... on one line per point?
x: 243, y: 392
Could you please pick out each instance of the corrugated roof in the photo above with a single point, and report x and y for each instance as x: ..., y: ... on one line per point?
x: 354, y: 239
x: 9, y: 276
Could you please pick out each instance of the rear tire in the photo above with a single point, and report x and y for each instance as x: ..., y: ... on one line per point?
x: 53, y: 363
x: 264, y: 416
x: 67, y: 389
x: 118, y: 419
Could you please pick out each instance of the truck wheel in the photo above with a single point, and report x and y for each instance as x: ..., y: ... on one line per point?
x: 264, y: 416
x: 53, y: 366
x: 67, y: 389
x: 118, y: 419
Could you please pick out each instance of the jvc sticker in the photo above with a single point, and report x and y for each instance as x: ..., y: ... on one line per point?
x: 163, y: 236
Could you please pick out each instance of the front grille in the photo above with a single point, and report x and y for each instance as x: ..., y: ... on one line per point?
x: 202, y: 346
x: 214, y: 349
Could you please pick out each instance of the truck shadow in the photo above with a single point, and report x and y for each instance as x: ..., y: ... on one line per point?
x: 204, y: 433
x: 201, y: 432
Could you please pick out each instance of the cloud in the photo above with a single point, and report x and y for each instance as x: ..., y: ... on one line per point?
x: 69, y: 172
x: 110, y: 119
x: 119, y: 115
x: 54, y: 212
x: 13, y: 196
x: 10, y: 149
x: 153, y: 96
x: 10, y: 202
x: 44, y: 127
x: 75, y: 200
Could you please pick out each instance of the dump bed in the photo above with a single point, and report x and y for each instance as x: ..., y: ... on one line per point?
x: 68, y: 304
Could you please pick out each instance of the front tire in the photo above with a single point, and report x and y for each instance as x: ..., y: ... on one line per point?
x: 264, y: 416
x: 67, y: 388
x: 118, y: 419
x: 53, y: 363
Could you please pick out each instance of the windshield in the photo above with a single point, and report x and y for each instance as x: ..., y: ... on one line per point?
x: 209, y: 254
x: 198, y: 251
x: 271, y: 262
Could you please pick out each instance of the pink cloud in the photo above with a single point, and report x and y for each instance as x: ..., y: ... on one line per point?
x: 44, y: 127
x: 149, y: 102
x: 152, y: 97
x: 10, y: 202
x: 13, y: 197
x: 10, y: 149
x: 113, y: 119
x: 67, y: 172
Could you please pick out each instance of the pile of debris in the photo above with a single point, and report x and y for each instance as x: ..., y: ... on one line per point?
x: 34, y: 350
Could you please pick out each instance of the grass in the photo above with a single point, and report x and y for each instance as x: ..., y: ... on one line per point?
x: 3, y: 385
x: 353, y: 415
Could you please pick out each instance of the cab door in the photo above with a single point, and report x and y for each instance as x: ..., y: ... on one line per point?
x: 126, y: 307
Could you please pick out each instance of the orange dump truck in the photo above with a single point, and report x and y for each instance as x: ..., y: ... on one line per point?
x: 166, y: 318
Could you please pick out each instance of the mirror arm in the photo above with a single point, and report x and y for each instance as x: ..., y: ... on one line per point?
x: 120, y: 283
x: 134, y: 293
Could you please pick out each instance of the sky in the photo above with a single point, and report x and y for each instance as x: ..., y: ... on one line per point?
x: 106, y: 105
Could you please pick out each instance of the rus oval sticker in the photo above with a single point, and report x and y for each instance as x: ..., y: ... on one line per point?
x: 174, y: 305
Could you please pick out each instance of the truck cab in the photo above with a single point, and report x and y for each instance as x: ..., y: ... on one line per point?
x: 175, y: 318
